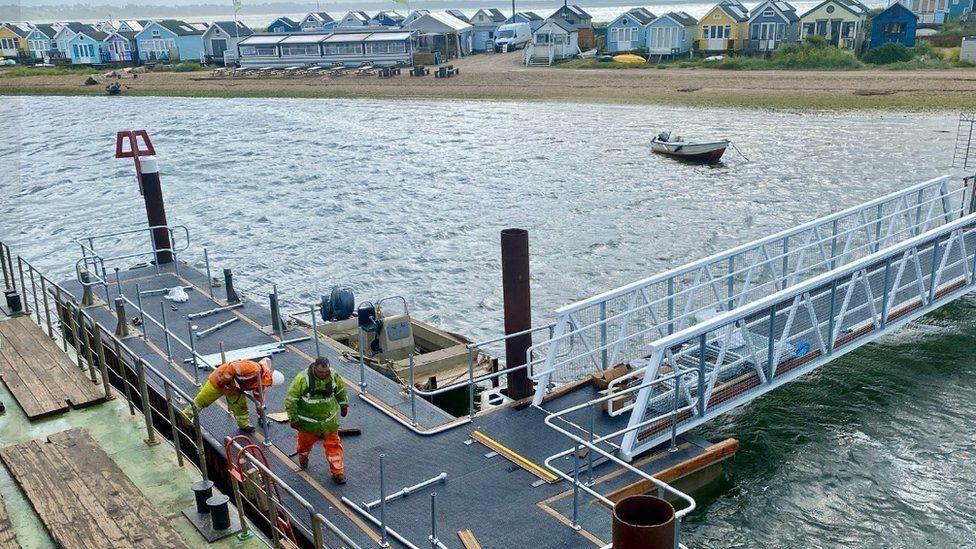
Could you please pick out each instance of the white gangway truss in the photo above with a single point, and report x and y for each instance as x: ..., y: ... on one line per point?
x: 714, y: 334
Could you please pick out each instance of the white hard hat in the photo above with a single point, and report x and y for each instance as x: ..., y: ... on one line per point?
x: 277, y: 378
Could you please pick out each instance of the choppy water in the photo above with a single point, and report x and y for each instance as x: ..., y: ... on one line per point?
x: 408, y: 198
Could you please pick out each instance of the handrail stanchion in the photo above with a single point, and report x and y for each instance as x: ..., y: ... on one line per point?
x: 37, y: 309
x: 198, y: 435
x: 206, y: 261
x: 104, y: 278
x: 317, y: 539
x: 245, y: 532
x: 263, y: 420
x: 64, y: 334
x: 413, y: 394
x: 142, y: 314
x: 193, y: 353
x: 434, y: 542
x: 470, y: 382
x: 383, y: 539
x: 23, y: 287
x: 362, y: 363
x: 589, y: 455
x: 146, y: 406
x: 70, y: 313
x: 162, y: 312
x: 124, y: 376
x: 47, y: 307
x: 315, y: 332
x: 89, y: 356
x: 673, y: 447
x: 575, y: 524
x: 118, y: 281
x: 102, y: 365
x: 171, y: 412
x: 272, y: 510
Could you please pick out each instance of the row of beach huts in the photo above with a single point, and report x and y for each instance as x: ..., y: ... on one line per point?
x: 389, y: 38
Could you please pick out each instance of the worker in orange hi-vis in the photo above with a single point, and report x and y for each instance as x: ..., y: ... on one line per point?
x: 232, y: 380
x: 315, y: 400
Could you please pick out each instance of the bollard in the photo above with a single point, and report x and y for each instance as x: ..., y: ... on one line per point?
x: 202, y: 491
x: 232, y: 296
x: 644, y: 522
x: 219, y: 512
x: 276, y: 327
x: 518, y: 310
x: 152, y: 193
x: 87, y: 297
x: 121, y: 327
x: 14, y: 304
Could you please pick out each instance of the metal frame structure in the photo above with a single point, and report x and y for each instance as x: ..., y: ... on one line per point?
x: 964, y: 152
x: 619, y: 325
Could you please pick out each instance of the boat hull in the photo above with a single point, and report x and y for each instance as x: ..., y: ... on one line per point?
x: 703, y: 152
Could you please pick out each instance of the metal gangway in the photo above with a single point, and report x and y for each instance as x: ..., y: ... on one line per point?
x: 964, y: 151
x: 712, y: 335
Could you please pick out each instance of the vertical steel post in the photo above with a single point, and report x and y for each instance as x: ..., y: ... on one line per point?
x: 102, y: 365
x: 23, y: 287
x: 935, y: 263
x: 383, y: 539
x: 171, y: 413
x: 142, y: 315
x: 10, y: 267
x: 884, y: 293
x: 125, y: 377
x: 37, y: 309
x: 471, y: 383
x: 3, y: 266
x: 152, y: 193
x: 413, y: 395
x: 47, y: 307
x: 433, y: 520
x: 206, y: 261
x: 518, y: 309
x: 603, y: 335
x: 198, y: 435
x: 272, y: 509
x: 362, y: 362
x: 833, y: 246
x: 702, y: 342
x: 236, y: 489
x: 57, y: 302
x: 673, y: 447
x: 276, y: 324
x: 589, y: 451
x: 162, y: 312
x: 317, y: 537
x: 89, y: 355
x: 731, y: 284
x: 146, y: 406
x: 771, y: 345
x: 70, y: 312
x: 877, y: 229
x: 315, y: 331
x: 118, y: 281
x: 575, y: 524
x: 193, y: 353
x: 786, y: 261
x: 104, y: 278
x: 263, y: 420
x: 830, y: 324
x: 670, y: 305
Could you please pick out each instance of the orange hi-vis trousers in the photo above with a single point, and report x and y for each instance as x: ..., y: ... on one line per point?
x: 331, y: 444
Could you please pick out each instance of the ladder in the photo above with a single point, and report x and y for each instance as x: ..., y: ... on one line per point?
x: 964, y: 153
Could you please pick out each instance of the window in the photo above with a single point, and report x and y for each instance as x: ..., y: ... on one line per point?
x: 262, y: 51
x: 830, y: 9
x: 615, y: 34
x: 299, y: 50
x: 848, y: 29
x: 155, y: 33
x: 822, y: 27
x: 893, y: 28
x: 8, y: 43
x: 768, y: 12
x: 386, y: 47
x: 343, y: 48
x: 809, y: 28
x: 717, y: 16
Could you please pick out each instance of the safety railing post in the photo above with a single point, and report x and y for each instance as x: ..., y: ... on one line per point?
x: 471, y: 383
x: 317, y: 539
x: 206, y: 261
x: 146, y: 406
x: 102, y: 365
x: 23, y: 287
x: 670, y: 305
x: 3, y: 266
x: 383, y: 534
x: 362, y: 362
x: 162, y: 314
x: 37, y: 309
x: 731, y: 284
x: 885, y: 293
x: 315, y: 331
x: 118, y: 281
x: 70, y: 313
x: 245, y: 532
x: 589, y: 453
x: 104, y: 278
x: 434, y: 542
x: 171, y: 413
x: 832, y: 321
x: 10, y: 267
x: 786, y: 261
x: 124, y: 377
x: 575, y: 524
x: 142, y: 315
x: 833, y: 246
x: 413, y: 394
x: 89, y: 355
x: 47, y: 307
x: 935, y: 264
x: 272, y: 509
x: 193, y: 353
x: 198, y: 439
x: 673, y: 447
x: 771, y: 345
x: 57, y: 301
x: 263, y: 420
x: 603, y: 334
x: 702, y: 342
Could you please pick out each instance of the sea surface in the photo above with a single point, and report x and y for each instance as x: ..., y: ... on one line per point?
x: 408, y: 198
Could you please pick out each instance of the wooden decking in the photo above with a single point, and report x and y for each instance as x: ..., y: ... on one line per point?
x: 83, y: 498
x: 7, y: 539
x: 41, y: 377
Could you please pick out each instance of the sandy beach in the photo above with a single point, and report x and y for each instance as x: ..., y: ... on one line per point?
x: 502, y: 77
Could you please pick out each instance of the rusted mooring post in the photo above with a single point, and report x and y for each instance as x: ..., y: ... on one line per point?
x: 518, y: 309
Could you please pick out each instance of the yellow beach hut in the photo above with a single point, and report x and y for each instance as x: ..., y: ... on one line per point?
x: 841, y: 22
x: 13, y: 39
x: 724, y: 28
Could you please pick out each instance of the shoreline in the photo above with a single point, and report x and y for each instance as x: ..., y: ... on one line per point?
x: 501, y: 77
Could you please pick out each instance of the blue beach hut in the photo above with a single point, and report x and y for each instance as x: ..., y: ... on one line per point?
x: 895, y: 24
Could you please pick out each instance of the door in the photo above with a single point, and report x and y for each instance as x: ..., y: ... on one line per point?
x: 834, y: 32
x: 767, y: 36
x: 218, y: 46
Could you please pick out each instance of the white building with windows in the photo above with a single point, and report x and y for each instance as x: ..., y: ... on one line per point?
x: 553, y: 41
x: 671, y: 34
x: 352, y: 49
x: 220, y: 40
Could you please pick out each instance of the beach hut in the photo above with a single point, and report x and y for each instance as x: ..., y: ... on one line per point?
x: 627, y: 32
x: 724, y: 28
x: 131, y: 25
x: 458, y: 14
x: 317, y: 21
x: 386, y: 19
x: 413, y: 16
x: 353, y: 19
x: 671, y: 34
x: 284, y: 24
x: 576, y: 17
x: 220, y: 41
x: 938, y: 12
x: 40, y: 41
x: 120, y: 47
x: 13, y: 39
x: 65, y: 33
x: 88, y: 48
x: 967, y: 50
x: 841, y: 22
x: 439, y: 31
x: 553, y: 41
x: 374, y: 46
x: 171, y: 40
x: 895, y: 24
x: 485, y: 23
x: 771, y: 24
x: 533, y: 19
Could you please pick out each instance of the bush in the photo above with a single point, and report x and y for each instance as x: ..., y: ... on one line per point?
x: 814, y: 53
x: 918, y: 63
x: 187, y: 66
x: 887, y: 54
x: 816, y: 42
x: 926, y: 49
x: 964, y: 64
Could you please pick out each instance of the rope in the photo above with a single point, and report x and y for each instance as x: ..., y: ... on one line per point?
x: 731, y: 144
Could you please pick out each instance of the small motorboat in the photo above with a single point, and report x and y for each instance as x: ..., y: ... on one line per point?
x: 703, y: 151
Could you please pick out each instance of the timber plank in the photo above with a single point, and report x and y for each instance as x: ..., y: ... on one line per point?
x: 7, y: 538
x: 29, y: 400
x: 82, y: 496
x: 35, y: 397
x: 79, y: 389
x: 32, y: 369
x: 468, y: 540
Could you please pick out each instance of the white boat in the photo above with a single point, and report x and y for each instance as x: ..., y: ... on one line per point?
x: 708, y: 151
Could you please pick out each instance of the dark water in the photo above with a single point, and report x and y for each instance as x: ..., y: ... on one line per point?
x: 407, y: 198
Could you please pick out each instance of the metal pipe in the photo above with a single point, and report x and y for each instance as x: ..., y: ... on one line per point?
x: 146, y: 407
x: 3, y: 265
x: 404, y: 492
x: 413, y: 428
x: 118, y: 281
x: 193, y: 353
x: 576, y: 487
x: 102, y: 365
x: 89, y: 355
x: 168, y: 392
x: 198, y: 435
x: 10, y: 267
x: 413, y: 394
x: 69, y: 313
x: 518, y: 308
x: 362, y: 362
x: 47, y: 307
x: 37, y: 310
x: 57, y: 301
x: 108, y: 298
x: 383, y: 539
x: 206, y: 261
x: 315, y: 332
x: 125, y: 378
x: 162, y: 312
x: 215, y: 327
x: 433, y: 519
x: 236, y: 489
x: 272, y: 510
x: 471, y: 383
x: 208, y: 312
x: 142, y: 314
x: 23, y: 287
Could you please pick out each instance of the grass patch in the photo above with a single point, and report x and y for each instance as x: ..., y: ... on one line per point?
x: 22, y: 70
x: 183, y: 66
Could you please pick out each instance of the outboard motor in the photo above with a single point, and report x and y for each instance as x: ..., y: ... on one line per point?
x: 664, y: 136
x: 369, y: 324
x: 338, y: 305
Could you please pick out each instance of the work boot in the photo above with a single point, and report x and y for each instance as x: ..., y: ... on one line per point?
x: 303, y: 463
x: 247, y: 429
x: 339, y: 478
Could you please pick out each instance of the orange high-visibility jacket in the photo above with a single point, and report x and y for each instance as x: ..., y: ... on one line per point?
x: 238, y: 376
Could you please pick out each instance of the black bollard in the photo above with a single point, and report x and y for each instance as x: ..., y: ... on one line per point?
x: 14, y: 305
x: 202, y: 491
x: 518, y: 309
x: 122, y: 326
x: 232, y: 296
x: 152, y: 194
x: 219, y: 512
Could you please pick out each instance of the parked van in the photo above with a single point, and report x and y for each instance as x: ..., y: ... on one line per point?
x: 514, y: 35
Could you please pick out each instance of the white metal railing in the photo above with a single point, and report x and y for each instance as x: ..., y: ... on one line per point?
x: 741, y: 354
x: 617, y: 326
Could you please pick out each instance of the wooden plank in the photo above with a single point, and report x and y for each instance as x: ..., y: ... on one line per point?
x: 83, y: 498
x: 7, y: 538
x: 514, y: 457
x: 79, y: 389
x: 468, y: 540
x: 713, y: 454
x: 35, y: 397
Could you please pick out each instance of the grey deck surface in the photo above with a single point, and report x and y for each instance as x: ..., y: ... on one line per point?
x: 491, y: 496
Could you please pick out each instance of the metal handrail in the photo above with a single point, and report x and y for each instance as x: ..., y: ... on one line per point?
x: 92, y: 257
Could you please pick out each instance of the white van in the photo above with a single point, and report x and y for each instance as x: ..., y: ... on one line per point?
x: 514, y: 35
